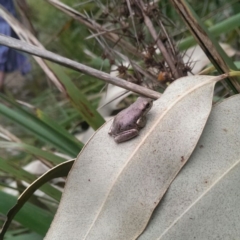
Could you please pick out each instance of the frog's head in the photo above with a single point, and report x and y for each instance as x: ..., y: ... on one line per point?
x: 145, y: 103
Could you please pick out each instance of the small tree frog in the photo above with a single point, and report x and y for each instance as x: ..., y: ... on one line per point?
x: 127, y: 123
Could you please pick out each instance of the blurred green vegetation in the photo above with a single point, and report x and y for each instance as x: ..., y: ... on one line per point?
x: 51, y: 122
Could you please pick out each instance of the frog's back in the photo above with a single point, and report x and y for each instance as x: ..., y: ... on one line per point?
x: 125, y: 120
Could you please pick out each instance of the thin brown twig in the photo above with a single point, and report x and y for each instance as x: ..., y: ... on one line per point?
x: 159, y: 43
x: 168, y: 38
x: 28, y: 48
x: 95, y: 26
x: 131, y: 16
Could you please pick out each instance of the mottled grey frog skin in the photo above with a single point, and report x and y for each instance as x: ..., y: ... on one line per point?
x: 127, y: 123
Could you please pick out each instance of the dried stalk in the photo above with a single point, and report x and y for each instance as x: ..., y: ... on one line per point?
x: 159, y: 43
x: 91, y: 24
x: 209, y: 44
x: 28, y: 48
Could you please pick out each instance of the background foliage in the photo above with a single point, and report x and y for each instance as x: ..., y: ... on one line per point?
x: 49, y: 124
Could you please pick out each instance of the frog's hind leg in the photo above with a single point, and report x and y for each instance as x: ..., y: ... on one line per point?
x: 125, y: 136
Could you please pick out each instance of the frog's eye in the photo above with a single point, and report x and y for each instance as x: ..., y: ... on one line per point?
x: 147, y: 105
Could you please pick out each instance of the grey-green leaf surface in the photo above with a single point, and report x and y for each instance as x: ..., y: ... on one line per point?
x: 112, y: 188
x: 203, y: 200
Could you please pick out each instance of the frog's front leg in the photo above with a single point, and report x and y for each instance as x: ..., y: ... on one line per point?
x: 141, y: 122
x: 110, y: 130
x: 126, y: 135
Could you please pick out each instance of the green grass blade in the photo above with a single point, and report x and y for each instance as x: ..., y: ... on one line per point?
x: 58, y: 128
x: 30, y: 216
x: 225, y: 26
x: 79, y: 101
x: 59, y: 171
x: 94, y: 119
x: 40, y: 129
x: 207, y: 42
x: 14, y: 235
x: 21, y: 174
x: 50, y: 157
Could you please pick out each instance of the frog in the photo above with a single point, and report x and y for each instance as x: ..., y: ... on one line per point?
x: 127, y: 124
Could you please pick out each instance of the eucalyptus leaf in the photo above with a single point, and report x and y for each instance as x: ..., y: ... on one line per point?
x: 203, y: 201
x: 112, y: 188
